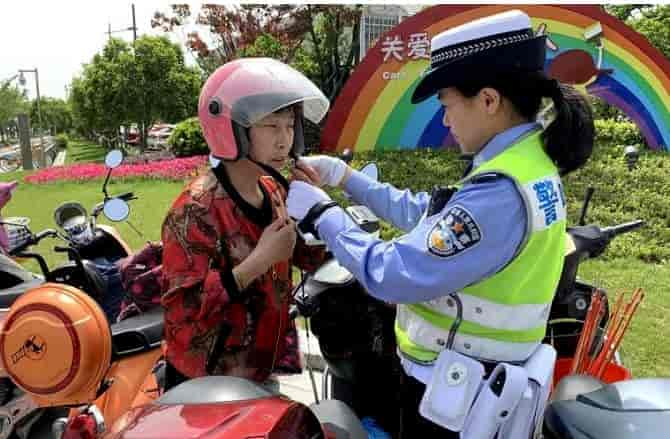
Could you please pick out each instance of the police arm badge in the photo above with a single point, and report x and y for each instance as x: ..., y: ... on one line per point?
x: 454, y: 233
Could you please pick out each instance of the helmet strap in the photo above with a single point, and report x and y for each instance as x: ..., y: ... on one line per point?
x: 298, y: 147
x: 242, y: 140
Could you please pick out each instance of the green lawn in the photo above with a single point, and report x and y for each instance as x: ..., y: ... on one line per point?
x: 38, y: 202
x: 645, y: 348
x: 84, y: 151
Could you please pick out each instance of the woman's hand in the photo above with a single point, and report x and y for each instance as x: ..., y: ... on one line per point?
x: 277, y: 242
x: 304, y: 172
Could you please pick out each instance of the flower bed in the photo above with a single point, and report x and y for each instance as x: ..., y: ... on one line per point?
x: 177, y: 169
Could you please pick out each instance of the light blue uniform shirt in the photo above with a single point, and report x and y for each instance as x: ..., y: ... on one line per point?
x: 405, y: 270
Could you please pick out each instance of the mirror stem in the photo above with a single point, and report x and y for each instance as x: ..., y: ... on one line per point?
x: 104, y: 185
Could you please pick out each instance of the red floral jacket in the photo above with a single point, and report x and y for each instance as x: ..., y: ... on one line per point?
x: 210, y: 327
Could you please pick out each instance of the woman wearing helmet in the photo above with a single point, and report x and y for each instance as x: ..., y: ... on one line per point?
x: 228, y: 241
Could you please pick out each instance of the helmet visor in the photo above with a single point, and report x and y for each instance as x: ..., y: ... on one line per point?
x: 258, y: 87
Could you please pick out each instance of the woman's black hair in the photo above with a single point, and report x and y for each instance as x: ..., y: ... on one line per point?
x: 568, y: 140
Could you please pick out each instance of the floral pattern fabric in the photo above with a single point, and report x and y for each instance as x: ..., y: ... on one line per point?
x: 246, y: 334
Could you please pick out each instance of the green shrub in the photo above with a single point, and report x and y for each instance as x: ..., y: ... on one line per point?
x: 620, y: 195
x: 617, y: 133
x: 187, y: 139
x: 61, y: 141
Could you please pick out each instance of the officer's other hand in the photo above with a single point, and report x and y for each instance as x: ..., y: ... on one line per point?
x: 330, y: 170
x: 301, y: 197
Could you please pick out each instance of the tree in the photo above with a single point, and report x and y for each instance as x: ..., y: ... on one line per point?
x: 142, y: 83
x: 101, y: 97
x: 230, y: 29
x: 56, y: 114
x: 333, y: 43
x: 320, y: 40
x: 654, y: 23
x: 624, y: 12
x: 12, y: 102
x: 164, y: 87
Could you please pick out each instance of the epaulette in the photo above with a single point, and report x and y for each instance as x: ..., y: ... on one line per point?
x: 485, y: 177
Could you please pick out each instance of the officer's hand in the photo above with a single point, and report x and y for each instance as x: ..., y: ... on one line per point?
x: 330, y: 170
x: 301, y: 198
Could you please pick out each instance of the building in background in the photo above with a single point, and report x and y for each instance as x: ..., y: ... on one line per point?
x: 377, y: 19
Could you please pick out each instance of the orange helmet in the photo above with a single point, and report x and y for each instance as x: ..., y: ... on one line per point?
x: 56, y: 345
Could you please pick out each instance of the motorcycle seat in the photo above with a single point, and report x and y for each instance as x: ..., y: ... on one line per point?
x: 9, y: 295
x: 214, y: 389
x: 631, y: 409
x: 573, y: 385
x: 70, y: 274
x: 137, y: 334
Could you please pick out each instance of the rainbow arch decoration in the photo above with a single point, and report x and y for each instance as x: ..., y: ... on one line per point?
x: 374, y: 111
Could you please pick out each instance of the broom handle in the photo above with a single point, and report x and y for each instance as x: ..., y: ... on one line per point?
x: 588, y: 322
x: 638, y: 295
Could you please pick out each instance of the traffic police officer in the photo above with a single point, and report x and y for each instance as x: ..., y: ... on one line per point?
x: 492, y: 245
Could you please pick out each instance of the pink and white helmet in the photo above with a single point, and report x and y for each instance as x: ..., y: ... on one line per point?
x: 242, y: 92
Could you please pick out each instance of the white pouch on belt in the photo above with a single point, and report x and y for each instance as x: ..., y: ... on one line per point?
x: 496, y: 401
x: 452, y: 388
x: 525, y: 420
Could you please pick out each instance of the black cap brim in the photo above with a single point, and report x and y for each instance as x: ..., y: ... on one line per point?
x: 524, y: 56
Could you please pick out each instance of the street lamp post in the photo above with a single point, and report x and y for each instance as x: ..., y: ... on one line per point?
x: 22, y: 81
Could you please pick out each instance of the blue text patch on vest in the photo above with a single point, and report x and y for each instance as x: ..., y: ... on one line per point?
x: 456, y: 232
x: 547, y: 198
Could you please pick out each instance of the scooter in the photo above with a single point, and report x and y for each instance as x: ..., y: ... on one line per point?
x: 23, y: 406
x: 61, y: 353
x: 91, y: 247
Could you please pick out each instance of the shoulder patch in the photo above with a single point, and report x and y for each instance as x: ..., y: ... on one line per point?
x: 454, y: 233
x: 486, y: 177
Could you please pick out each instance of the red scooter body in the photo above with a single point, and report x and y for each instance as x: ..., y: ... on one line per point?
x: 268, y: 418
x: 221, y: 407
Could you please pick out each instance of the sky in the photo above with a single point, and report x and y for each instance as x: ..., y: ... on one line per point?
x: 58, y: 36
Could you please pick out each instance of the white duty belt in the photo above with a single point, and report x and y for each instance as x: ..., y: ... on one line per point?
x: 509, y: 403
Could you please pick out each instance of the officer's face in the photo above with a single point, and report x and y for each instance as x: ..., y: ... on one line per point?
x: 465, y: 118
x: 272, y: 138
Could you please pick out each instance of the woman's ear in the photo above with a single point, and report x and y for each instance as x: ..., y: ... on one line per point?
x: 490, y: 99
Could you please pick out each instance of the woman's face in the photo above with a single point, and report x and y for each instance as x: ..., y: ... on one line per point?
x: 466, y: 118
x: 272, y: 138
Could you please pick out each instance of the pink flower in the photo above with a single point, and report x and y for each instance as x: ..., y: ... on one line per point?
x: 176, y: 169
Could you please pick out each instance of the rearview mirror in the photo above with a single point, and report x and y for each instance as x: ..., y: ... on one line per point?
x: 113, y: 159
x: 116, y: 209
x: 371, y: 171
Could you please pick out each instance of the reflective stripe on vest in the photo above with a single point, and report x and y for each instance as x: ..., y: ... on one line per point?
x: 505, y: 315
